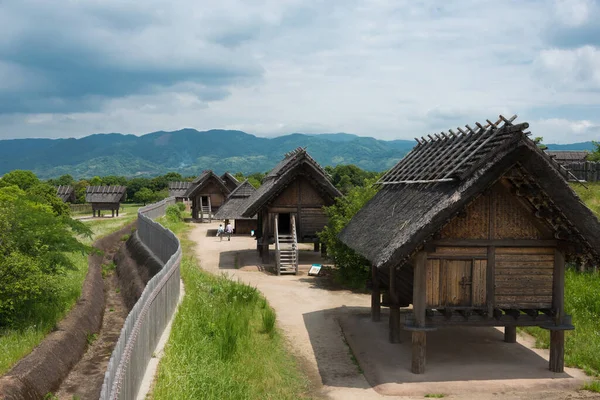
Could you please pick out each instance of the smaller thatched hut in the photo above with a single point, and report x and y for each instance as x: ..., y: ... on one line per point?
x: 105, y: 198
x: 233, y: 207
x: 208, y: 192
x: 178, y: 189
x: 230, y: 181
x: 66, y: 193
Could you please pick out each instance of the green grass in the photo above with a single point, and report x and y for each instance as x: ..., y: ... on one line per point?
x: 590, y: 196
x: 224, y: 344
x: 17, y: 342
x: 582, y: 301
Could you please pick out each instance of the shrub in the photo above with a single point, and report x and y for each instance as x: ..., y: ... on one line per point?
x: 181, y: 206
x: 351, y: 268
x: 173, y: 213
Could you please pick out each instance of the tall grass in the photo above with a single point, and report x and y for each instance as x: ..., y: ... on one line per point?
x: 219, y: 348
x: 17, y: 342
x: 582, y: 301
x: 590, y: 196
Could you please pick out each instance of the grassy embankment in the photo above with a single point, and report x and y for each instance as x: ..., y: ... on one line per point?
x: 17, y: 342
x: 224, y: 343
x: 582, y: 301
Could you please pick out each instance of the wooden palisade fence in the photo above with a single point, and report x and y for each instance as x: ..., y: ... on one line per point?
x: 588, y: 171
x: 148, y: 318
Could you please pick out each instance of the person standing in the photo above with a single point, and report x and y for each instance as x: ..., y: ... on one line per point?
x: 229, y: 230
x: 220, y: 231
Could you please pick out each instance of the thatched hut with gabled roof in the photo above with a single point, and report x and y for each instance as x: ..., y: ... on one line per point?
x: 230, y: 181
x: 568, y: 156
x: 291, y: 196
x: 66, y: 193
x: 233, y: 207
x: 208, y: 192
x: 178, y: 190
x: 105, y: 198
x: 473, y: 229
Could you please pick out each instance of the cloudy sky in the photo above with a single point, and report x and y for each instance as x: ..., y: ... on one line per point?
x: 385, y: 68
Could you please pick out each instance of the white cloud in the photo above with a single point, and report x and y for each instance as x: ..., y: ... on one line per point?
x: 571, y: 68
x: 384, y: 68
x: 565, y: 131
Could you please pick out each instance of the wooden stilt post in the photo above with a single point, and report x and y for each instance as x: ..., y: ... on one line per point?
x: 113, y: 213
x: 266, y: 231
x: 323, y: 249
x: 419, y: 346
x: 375, y: 295
x: 394, y: 308
x: 201, y: 209
x: 419, y: 339
x: 316, y: 246
x: 557, y: 350
x: 209, y: 210
x: 117, y: 212
x: 557, y: 337
x: 510, y: 334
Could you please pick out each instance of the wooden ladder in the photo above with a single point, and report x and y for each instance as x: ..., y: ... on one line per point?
x: 286, y: 249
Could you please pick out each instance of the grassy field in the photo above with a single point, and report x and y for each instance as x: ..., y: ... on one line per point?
x: 18, y: 342
x: 224, y: 343
x: 582, y: 301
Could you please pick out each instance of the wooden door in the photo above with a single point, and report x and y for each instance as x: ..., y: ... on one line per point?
x: 459, y: 283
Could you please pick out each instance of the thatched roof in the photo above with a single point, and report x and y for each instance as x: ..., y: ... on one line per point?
x: 236, y: 202
x: 440, y: 176
x: 295, y: 163
x: 178, y: 189
x: 66, y: 193
x: 105, y: 194
x: 568, y: 156
x: 204, y: 179
x: 230, y: 181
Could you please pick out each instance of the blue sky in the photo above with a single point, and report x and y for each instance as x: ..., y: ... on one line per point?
x: 391, y: 69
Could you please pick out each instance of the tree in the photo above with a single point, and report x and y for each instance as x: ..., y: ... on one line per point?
x: 43, y: 193
x: 345, y: 177
x: 594, y: 155
x: 21, y: 178
x: 34, y: 243
x: 96, y: 181
x: 135, y: 185
x: 144, y: 195
x: 64, y: 180
x: 80, y: 189
x: 351, y: 268
x: 538, y: 141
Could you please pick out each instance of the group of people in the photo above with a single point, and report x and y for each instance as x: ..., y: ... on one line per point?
x: 228, y: 230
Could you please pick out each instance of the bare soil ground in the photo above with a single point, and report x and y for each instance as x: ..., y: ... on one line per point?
x: 311, y: 315
x: 86, y: 378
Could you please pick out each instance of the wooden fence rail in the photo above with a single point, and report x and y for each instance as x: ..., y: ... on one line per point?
x: 148, y: 318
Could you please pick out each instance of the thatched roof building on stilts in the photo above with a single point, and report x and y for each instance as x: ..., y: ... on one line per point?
x: 233, y: 207
x: 473, y: 228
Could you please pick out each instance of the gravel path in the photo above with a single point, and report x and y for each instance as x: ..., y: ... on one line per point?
x: 309, y: 317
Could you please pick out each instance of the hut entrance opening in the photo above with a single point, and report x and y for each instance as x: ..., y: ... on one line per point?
x: 284, y: 223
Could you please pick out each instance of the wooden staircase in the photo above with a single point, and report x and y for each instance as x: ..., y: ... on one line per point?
x: 286, y: 249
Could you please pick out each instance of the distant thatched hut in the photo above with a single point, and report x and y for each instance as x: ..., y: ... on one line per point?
x: 66, y: 193
x: 568, y: 156
x: 292, y: 196
x: 233, y: 207
x: 473, y: 229
x: 208, y: 192
x: 230, y: 181
x: 178, y: 190
x: 105, y: 198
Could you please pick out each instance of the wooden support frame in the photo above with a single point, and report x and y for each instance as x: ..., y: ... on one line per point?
x: 419, y: 339
x: 510, y: 334
x: 557, y: 336
x: 394, y: 308
x: 375, y: 295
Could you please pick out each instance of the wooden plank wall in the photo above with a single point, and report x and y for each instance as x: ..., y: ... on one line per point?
x: 524, y: 277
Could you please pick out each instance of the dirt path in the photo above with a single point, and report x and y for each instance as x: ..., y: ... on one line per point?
x: 310, y: 315
x: 86, y: 378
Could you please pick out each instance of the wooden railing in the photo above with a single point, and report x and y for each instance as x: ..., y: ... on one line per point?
x: 277, y: 246
x: 295, y: 242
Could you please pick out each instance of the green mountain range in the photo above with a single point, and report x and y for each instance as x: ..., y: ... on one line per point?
x: 189, y: 151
